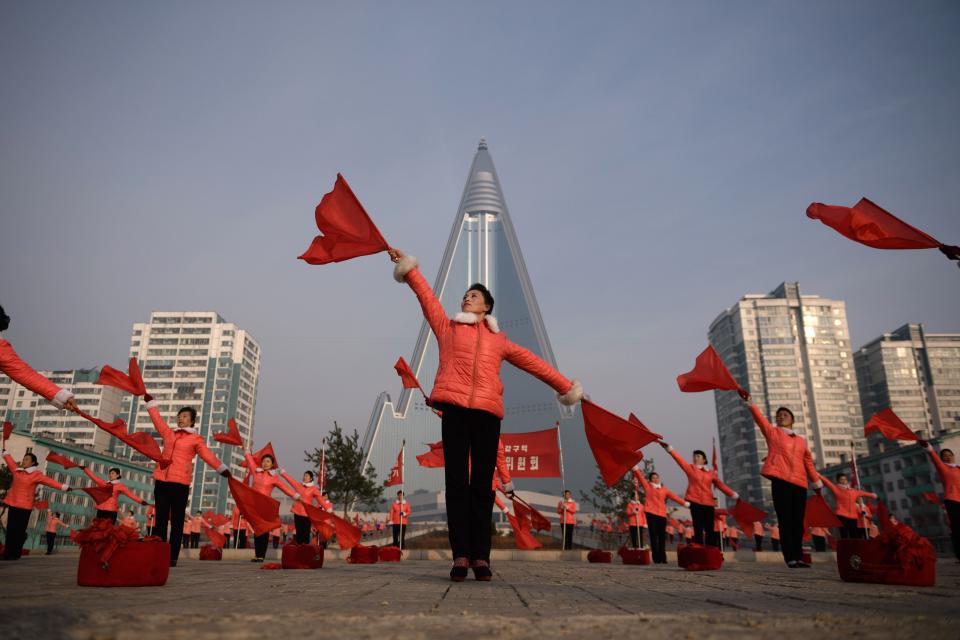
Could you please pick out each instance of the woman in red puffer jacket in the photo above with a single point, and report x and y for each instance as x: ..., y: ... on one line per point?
x: 469, y: 394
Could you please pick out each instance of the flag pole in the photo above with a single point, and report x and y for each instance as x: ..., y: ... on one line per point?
x: 563, y: 491
x: 403, y: 452
x: 856, y: 474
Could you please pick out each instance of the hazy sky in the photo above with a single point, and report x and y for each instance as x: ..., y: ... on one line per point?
x: 657, y: 159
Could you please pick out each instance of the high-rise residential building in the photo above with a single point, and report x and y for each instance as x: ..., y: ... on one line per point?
x: 915, y: 373
x: 787, y: 349
x: 482, y: 247
x: 31, y: 413
x: 197, y: 359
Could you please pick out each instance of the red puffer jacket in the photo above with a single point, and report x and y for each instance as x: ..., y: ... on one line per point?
x: 265, y: 481
x: 24, y: 486
x: 949, y: 476
x: 24, y: 374
x: 113, y: 502
x: 309, y: 494
x: 180, y: 446
x: 655, y: 496
x: 846, y: 498
x: 788, y: 458
x: 700, y: 482
x: 471, y: 354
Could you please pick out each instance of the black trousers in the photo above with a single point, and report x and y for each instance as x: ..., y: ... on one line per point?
x: 850, y: 529
x: 109, y: 515
x: 260, y: 545
x: 470, y: 439
x: 242, y: 540
x: 953, y: 516
x: 636, y: 537
x: 195, y: 540
x: 276, y: 541
x: 790, y: 503
x: 17, y: 521
x: 702, y: 523
x: 567, y: 532
x: 658, y: 538
x: 170, y: 499
x: 399, y: 534
x: 819, y: 543
x: 757, y: 542
x: 51, y: 538
x: 775, y: 544
x: 302, y: 526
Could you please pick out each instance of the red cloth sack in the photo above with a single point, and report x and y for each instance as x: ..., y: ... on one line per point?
x: 141, y: 563
x: 598, y: 555
x: 210, y: 552
x: 894, y: 557
x: 634, y: 556
x: 301, y: 556
x: 390, y: 554
x: 697, y: 557
x: 362, y: 554
x: 807, y: 558
x: 25, y: 552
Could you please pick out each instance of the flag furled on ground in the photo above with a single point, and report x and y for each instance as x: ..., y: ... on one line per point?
x: 888, y: 424
x: 348, y: 232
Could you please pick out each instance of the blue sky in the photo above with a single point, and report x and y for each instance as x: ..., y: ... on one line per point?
x: 657, y: 159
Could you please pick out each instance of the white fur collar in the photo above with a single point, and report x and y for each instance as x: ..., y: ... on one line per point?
x: 465, y: 317
x: 32, y: 469
x: 789, y: 432
x: 702, y: 467
x: 186, y: 430
x: 310, y: 484
x: 400, y: 501
x: 113, y: 481
x: 656, y: 485
x: 272, y: 472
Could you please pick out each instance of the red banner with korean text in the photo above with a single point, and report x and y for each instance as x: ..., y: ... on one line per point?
x: 534, y: 454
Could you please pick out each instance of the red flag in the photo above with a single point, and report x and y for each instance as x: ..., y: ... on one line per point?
x: 131, y: 382
x: 231, y: 435
x: 139, y: 441
x: 635, y: 421
x: 890, y: 425
x: 746, y: 514
x: 532, y: 454
x: 931, y: 497
x: 216, y: 519
x: 406, y: 375
x: 871, y: 225
x: 613, y: 440
x: 258, y: 456
x: 708, y: 373
x: 527, y: 513
x: 262, y: 512
x: 522, y: 536
x: 348, y: 535
x: 818, y: 514
x: 714, y: 461
x: 40, y: 505
x: 348, y: 232
x: 63, y: 461
x: 434, y: 458
x: 7, y: 430
x: 396, y: 473
x: 99, y: 494
x: 217, y: 538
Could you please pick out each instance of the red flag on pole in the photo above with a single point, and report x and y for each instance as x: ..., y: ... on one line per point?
x: 635, y: 421
x: 714, y: 461
x: 348, y: 232
x: 521, y: 535
x: 871, y: 225
x: 434, y: 458
x: 818, y: 514
x: 708, y: 373
x: 99, y: 494
x: 262, y: 512
x: 396, y: 473
x: 527, y: 513
x: 406, y: 375
x: 217, y: 538
x: 931, y: 497
x: 533, y: 454
x: 258, y: 456
x: 63, y: 461
x: 746, y: 514
x: 40, y: 505
x: 7, y: 430
x: 231, y: 435
x: 131, y: 382
x: 139, y: 441
x: 348, y: 534
x: 613, y: 440
x: 886, y: 422
x: 216, y: 519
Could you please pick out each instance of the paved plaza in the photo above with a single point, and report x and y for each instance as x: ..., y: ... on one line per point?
x: 414, y: 599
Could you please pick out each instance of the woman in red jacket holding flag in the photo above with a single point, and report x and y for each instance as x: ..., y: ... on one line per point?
x: 788, y: 466
x: 265, y: 480
x: 655, y: 497
x: 949, y: 473
x: 309, y: 494
x: 847, y: 509
x: 20, y: 500
x: 53, y: 521
x: 700, y: 482
x: 469, y: 394
x: 109, y: 507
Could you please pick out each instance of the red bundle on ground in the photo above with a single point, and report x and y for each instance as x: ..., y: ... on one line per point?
x: 697, y: 557
x: 389, y: 554
x: 301, y: 556
x: 598, y: 555
x: 211, y: 552
x: 634, y: 556
x: 362, y: 554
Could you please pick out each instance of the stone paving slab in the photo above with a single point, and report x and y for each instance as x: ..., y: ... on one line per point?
x: 237, y: 600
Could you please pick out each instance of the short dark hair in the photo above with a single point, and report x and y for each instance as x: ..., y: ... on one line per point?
x: 191, y: 411
x: 651, y: 474
x: 842, y: 475
x: 32, y: 457
x: 696, y: 451
x: 56, y: 513
x: 309, y: 473
x: 400, y: 491
x: 784, y: 409
x: 4, y: 320
x: 487, y: 296
x: 273, y: 460
x: 117, y: 469
x: 943, y: 451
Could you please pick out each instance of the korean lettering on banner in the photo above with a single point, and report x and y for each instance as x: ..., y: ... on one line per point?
x: 534, y: 454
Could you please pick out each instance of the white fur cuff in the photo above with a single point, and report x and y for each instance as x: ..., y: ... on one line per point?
x: 508, y: 488
x: 153, y: 404
x: 573, y: 396
x: 221, y: 468
x: 818, y: 484
x: 61, y: 398
x: 405, y: 266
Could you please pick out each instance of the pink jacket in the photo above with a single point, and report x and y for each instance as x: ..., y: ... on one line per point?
x: 567, y: 511
x: 53, y: 522
x: 112, y: 503
x: 24, y: 374
x: 774, y: 532
x: 181, y: 446
x: 471, y: 354
x: 395, y: 512
x: 788, y: 458
x: 635, y: 514
x: 501, y: 470
x: 700, y: 482
x: 949, y: 476
x: 266, y: 481
x: 758, y: 529
x: 130, y: 521
x: 655, y: 498
x: 309, y: 493
x: 24, y: 486
x: 846, y: 498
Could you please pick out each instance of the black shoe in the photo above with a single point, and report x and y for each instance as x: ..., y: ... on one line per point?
x: 793, y: 564
x: 802, y: 565
x: 460, y: 568
x: 256, y: 559
x: 481, y: 571
x: 173, y: 563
